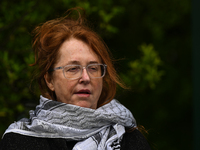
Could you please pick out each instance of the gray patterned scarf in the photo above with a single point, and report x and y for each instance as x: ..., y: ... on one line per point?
x: 100, y: 129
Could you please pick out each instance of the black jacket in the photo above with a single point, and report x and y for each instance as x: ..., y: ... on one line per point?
x: 13, y: 141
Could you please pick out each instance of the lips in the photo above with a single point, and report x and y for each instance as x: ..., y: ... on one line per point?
x: 83, y: 93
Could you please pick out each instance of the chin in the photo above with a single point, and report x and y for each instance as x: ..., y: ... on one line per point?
x: 86, y: 105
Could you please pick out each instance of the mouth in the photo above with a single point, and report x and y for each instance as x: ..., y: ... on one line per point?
x: 83, y: 93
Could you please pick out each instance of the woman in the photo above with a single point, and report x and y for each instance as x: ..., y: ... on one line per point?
x: 78, y: 83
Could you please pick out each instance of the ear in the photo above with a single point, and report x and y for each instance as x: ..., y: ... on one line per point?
x: 49, y: 81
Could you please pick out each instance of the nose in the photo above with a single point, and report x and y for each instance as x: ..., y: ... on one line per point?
x: 85, y: 76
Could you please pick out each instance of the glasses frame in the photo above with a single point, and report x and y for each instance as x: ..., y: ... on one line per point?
x: 57, y: 68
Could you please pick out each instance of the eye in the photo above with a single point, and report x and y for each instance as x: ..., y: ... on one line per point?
x: 93, y: 68
x: 72, y: 68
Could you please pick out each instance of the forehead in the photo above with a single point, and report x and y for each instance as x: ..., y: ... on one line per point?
x: 74, y: 50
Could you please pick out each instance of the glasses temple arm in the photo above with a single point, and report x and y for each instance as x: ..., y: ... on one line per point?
x: 53, y: 69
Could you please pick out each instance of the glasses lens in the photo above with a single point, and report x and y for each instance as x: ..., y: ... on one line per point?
x: 96, y: 70
x: 72, y: 71
x: 75, y: 71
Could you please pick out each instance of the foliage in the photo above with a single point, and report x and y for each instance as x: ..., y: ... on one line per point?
x: 143, y: 72
x: 158, y: 74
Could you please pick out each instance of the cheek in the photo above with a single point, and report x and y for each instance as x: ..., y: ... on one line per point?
x: 64, y: 88
x: 99, y: 86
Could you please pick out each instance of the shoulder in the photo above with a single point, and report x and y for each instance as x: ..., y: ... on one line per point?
x: 14, y: 141
x: 134, y: 141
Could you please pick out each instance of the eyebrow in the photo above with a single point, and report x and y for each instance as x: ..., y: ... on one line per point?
x: 73, y: 62
x: 78, y: 62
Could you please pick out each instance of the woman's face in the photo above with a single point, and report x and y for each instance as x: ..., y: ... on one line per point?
x: 84, y: 91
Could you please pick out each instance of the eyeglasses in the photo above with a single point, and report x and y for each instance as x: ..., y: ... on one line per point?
x: 75, y: 71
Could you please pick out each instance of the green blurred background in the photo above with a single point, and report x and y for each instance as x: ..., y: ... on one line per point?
x: 151, y: 41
